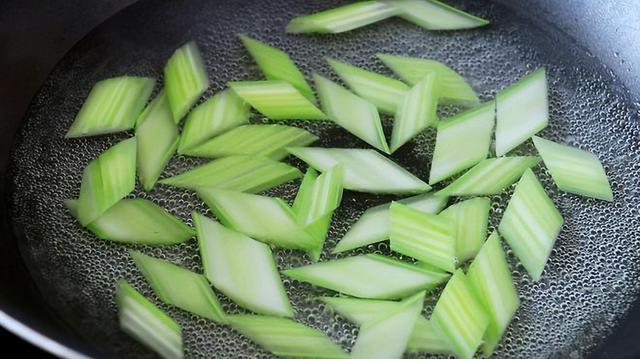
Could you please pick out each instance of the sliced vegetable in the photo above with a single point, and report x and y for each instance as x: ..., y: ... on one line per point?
x: 351, y: 112
x: 490, y: 276
x: 460, y: 317
x: 434, y: 15
x: 424, y: 338
x: 530, y: 224
x: 574, y: 170
x: 136, y: 221
x: 113, y: 105
x: 452, y: 88
x: 522, y: 110
x: 382, y: 91
x: 343, y: 18
x: 369, y: 276
x: 462, y: 141
x: 471, y: 218
x: 416, y: 112
x: 315, y: 202
x: 157, y: 139
x: 237, y: 173
x: 185, y: 79
x: 218, y: 114
x: 387, y: 334
x: 180, y: 287
x: 426, y: 237
x: 106, y: 180
x: 266, y: 219
x: 364, y: 170
x: 147, y: 323
x: 490, y: 176
x: 284, y: 337
x: 277, y: 100
x: 263, y: 140
x: 241, y: 268
x: 373, y: 225
x: 277, y: 65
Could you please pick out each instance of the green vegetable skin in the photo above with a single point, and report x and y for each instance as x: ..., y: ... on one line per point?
x: 491, y: 279
x: 180, y: 287
x: 218, y: 114
x: 387, y: 334
x: 426, y: 237
x: 351, y: 112
x: 434, y: 15
x: 373, y: 225
x: 136, y: 221
x: 369, y: 276
x: 574, y: 170
x: 277, y: 65
x: 530, y: 224
x: 470, y: 218
x: 106, y: 180
x: 157, y: 139
x: 264, y: 140
x: 148, y: 324
x: 241, y: 268
x: 343, y: 18
x: 237, y: 173
x: 284, y: 337
x: 277, y: 100
x: 364, y: 170
x: 113, y: 105
x: 185, y: 79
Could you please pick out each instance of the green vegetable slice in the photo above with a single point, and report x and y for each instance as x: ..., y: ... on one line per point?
x: 387, y: 334
x: 369, y: 276
x: 364, y: 170
x: 373, y: 225
x: 286, y: 338
x: 424, y: 338
x: 452, y: 88
x: 263, y: 140
x: 180, y: 287
x: 574, y: 170
x: 490, y: 176
x: 416, y: 112
x: 113, y: 105
x: 185, y: 79
x: 266, y: 219
x: 277, y: 65
x: 471, y: 218
x: 460, y: 317
x: 530, y: 224
x: 315, y: 202
x: 426, y: 237
x: 522, y: 110
x: 351, y: 112
x: 136, y: 221
x: 434, y: 15
x: 382, y: 91
x: 462, y: 141
x: 277, y: 100
x: 218, y: 114
x: 157, y: 139
x: 106, y: 180
x: 343, y: 18
x: 490, y: 277
x: 147, y: 323
x: 236, y: 173
x: 241, y: 268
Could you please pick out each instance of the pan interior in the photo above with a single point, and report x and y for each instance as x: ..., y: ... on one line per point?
x: 589, y: 282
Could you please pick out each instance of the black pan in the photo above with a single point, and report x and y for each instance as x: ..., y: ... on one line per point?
x: 59, y: 280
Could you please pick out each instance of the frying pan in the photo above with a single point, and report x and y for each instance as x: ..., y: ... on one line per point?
x: 58, y: 281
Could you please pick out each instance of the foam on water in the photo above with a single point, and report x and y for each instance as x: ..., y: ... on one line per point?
x: 589, y: 282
